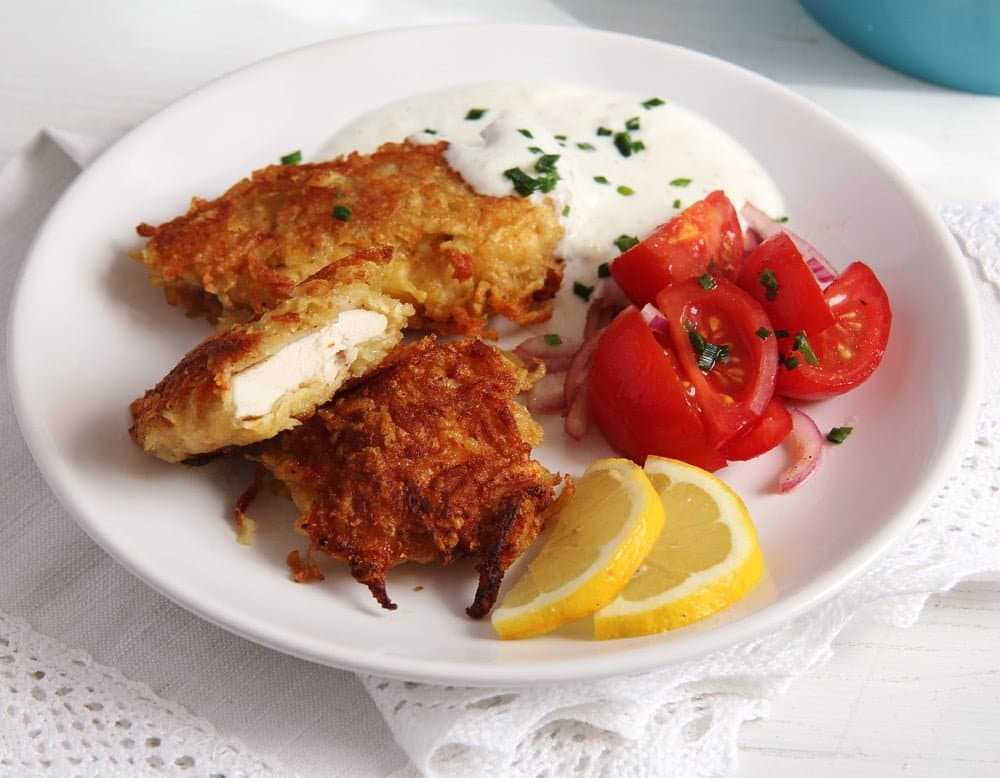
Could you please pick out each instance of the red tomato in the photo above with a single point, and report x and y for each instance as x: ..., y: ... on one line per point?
x: 792, y: 297
x: 730, y: 393
x: 637, y: 398
x: 850, y: 350
x: 705, y: 235
x: 762, y: 435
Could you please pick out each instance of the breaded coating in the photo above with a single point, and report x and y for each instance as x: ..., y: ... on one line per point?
x: 460, y: 256
x: 426, y: 459
x: 227, y: 392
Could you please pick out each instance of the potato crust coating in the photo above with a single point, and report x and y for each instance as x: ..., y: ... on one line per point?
x: 426, y: 459
x: 191, y: 412
x: 459, y: 256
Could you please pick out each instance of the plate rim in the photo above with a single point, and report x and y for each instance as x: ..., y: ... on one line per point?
x: 641, y: 658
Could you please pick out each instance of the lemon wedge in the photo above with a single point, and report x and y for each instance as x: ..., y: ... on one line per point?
x: 595, y: 546
x: 707, y: 557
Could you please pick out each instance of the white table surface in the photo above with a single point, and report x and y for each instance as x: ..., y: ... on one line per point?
x: 917, y: 702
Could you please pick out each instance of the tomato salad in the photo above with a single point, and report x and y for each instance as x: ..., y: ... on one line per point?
x: 715, y: 331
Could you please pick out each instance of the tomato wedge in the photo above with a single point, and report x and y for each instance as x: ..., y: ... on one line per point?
x: 637, y: 398
x: 733, y: 390
x: 777, y: 276
x: 704, y: 236
x: 762, y: 435
x: 848, y: 352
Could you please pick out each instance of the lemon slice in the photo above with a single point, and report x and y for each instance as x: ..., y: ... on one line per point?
x: 596, y: 544
x: 707, y: 557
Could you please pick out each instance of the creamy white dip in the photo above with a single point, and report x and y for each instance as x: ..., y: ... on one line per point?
x: 675, y: 158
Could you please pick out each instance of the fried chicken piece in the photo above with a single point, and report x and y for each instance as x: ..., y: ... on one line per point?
x: 258, y: 378
x: 426, y: 459
x: 460, y: 256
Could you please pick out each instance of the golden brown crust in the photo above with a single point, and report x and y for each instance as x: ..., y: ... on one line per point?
x: 428, y: 459
x: 460, y: 256
x: 190, y: 412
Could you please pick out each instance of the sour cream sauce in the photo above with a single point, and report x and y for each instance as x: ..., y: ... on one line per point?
x: 676, y: 158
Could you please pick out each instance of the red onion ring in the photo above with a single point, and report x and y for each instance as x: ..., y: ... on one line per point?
x: 556, y: 357
x: 806, y: 443
x: 548, y: 394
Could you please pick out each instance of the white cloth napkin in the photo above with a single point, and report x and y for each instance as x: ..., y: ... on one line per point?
x: 63, y: 601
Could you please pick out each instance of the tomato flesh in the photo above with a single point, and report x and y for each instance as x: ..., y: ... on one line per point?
x: 848, y: 351
x: 762, y: 435
x: 638, y: 400
x: 731, y: 393
x: 704, y: 236
x: 794, y: 301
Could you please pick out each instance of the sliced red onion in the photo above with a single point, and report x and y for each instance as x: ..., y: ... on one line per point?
x: 547, y: 395
x: 751, y: 239
x: 765, y: 227
x: 556, y: 356
x: 806, y: 443
x: 578, y: 418
x: 576, y: 376
x: 608, y: 301
x: 655, y: 320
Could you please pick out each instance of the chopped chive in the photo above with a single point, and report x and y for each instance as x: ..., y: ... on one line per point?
x: 546, y: 163
x: 712, y: 354
x: 293, y: 158
x: 429, y: 131
x: 603, y: 270
x: 625, y: 242
x: 582, y: 290
x: 565, y: 211
x: 526, y: 133
x: 524, y: 184
x: 677, y: 203
x: 698, y: 342
x: 652, y: 102
x: 680, y: 182
x: 475, y: 114
x: 535, y: 150
x: 839, y: 434
x: 552, y: 339
x: 625, y: 191
x: 802, y: 346
x: 632, y: 124
x: 601, y: 179
x: 342, y: 213
x: 586, y: 146
x: 790, y: 363
x: 688, y: 325
x: 638, y: 146
x: 706, y: 282
x: 560, y: 137
x: 781, y: 333
x: 770, y: 283
x: 763, y: 333
x: 603, y: 131
x: 781, y: 219
x: 623, y: 142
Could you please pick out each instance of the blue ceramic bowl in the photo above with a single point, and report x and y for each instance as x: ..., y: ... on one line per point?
x: 950, y: 42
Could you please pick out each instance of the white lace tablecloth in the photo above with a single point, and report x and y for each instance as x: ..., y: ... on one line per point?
x: 63, y: 713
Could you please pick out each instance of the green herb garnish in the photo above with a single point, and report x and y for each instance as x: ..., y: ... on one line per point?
x: 652, y: 102
x: 677, y: 203
x: 698, y: 342
x: 586, y: 146
x: 680, y: 182
x: 623, y: 142
x: 801, y: 345
x: 565, y: 211
x: 526, y: 133
x: 781, y: 219
x: 603, y: 270
x: 632, y: 124
x: 603, y: 131
x: 429, y: 131
x: 763, y: 333
x: 790, y: 362
x: 625, y: 191
x: 552, y: 339
x: 707, y: 282
x: 293, y: 158
x: 625, y: 242
x: 535, y: 150
x: 524, y: 184
x: 601, y: 179
x: 560, y: 137
x: 781, y: 333
x: 342, y: 213
x: 839, y: 434
x: 770, y: 283
x: 582, y: 290
x: 475, y: 113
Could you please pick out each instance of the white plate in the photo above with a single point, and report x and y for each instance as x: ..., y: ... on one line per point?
x: 89, y: 334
